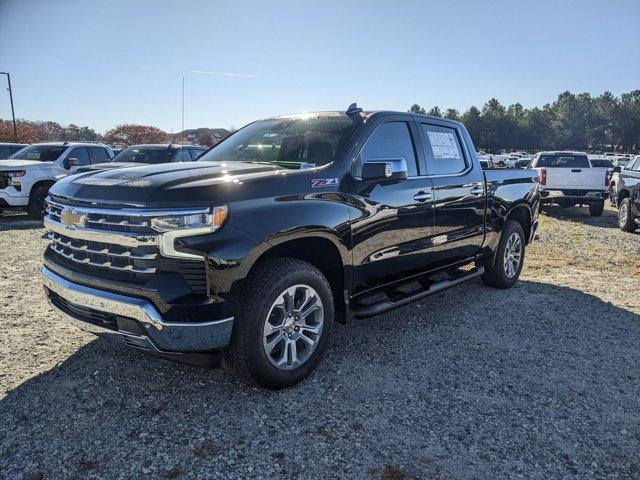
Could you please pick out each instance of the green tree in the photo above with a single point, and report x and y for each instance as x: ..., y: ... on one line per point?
x: 435, y: 111
x: 415, y: 108
x: 452, y: 114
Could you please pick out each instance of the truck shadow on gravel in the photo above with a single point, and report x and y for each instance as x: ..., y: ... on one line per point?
x: 539, y: 380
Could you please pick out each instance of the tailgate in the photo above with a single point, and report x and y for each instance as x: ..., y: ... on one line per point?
x: 575, y: 179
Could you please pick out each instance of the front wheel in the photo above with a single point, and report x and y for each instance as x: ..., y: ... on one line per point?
x: 625, y: 217
x: 283, y: 326
x: 596, y: 209
x: 509, y: 257
x: 37, y: 205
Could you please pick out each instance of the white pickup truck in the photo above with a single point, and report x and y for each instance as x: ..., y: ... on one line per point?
x: 27, y: 175
x: 567, y: 179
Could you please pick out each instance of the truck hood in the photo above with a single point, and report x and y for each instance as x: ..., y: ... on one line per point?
x: 164, y: 185
x: 11, y: 164
x: 109, y: 166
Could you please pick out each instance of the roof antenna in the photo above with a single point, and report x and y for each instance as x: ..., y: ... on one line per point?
x: 353, y: 110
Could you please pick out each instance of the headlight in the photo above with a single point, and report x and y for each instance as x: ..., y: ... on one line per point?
x: 15, y: 173
x: 211, y: 220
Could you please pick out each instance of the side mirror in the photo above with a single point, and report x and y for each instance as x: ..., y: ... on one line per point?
x: 617, y: 169
x: 70, y: 162
x: 384, y: 170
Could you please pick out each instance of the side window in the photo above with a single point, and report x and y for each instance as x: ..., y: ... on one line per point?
x: 389, y: 141
x: 636, y: 165
x: 182, y: 155
x: 195, y: 152
x: 81, y: 154
x: 442, y: 150
x: 99, y: 154
x: 5, y: 152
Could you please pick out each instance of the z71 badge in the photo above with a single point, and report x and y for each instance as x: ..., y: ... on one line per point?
x: 324, y: 182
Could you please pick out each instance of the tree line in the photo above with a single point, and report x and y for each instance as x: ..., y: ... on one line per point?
x: 121, y: 135
x: 576, y: 122
x: 573, y: 122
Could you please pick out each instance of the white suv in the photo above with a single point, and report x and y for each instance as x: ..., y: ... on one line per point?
x: 27, y: 175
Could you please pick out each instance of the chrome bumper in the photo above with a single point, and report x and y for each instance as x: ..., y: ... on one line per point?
x: 160, y: 336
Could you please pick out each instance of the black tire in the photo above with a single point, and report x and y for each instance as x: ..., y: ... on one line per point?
x: 495, y: 275
x: 596, y: 209
x: 246, y: 355
x: 626, y: 221
x: 37, y: 206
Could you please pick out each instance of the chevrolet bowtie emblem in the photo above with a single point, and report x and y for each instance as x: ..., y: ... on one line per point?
x: 72, y: 219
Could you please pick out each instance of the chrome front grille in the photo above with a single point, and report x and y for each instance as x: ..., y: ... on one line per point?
x: 105, y: 219
x: 104, y: 255
x: 117, y: 245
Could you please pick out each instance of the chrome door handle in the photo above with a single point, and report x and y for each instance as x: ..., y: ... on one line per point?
x: 422, y: 196
x: 477, y: 191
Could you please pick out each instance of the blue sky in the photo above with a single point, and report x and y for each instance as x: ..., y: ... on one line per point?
x: 102, y: 63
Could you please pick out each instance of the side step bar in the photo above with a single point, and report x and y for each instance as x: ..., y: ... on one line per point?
x: 383, y: 306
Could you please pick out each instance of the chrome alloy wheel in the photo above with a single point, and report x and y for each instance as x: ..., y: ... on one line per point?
x: 293, y: 327
x: 512, y: 255
x: 623, y: 214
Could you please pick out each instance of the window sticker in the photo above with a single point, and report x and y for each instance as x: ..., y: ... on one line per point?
x: 444, y: 145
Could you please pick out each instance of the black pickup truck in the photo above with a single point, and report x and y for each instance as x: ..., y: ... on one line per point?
x: 250, y: 254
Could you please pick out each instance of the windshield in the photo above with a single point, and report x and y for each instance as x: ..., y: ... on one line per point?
x: 563, y: 160
x: 292, y: 142
x: 41, y: 153
x: 150, y: 155
x: 602, y: 163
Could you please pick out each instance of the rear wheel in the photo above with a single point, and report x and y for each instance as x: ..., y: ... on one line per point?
x: 596, y: 209
x: 37, y: 205
x: 283, y: 327
x: 625, y: 217
x: 509, y: 257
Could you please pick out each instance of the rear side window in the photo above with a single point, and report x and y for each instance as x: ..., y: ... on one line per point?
x: 81, y: 154
x: 182, y: 155
x: 196, y: 152
x: 562, y: 160
x: 442, y: 150
x: 99, y: 154
x: 5, y: 152
x: 389, y: 141
x: 601, y: 163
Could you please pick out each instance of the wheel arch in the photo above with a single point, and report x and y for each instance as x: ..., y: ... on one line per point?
x: 321, y: 251
x: 521, y: 213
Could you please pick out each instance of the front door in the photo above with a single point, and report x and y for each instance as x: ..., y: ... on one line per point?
x: 390, y: 221
x: 458, y: 192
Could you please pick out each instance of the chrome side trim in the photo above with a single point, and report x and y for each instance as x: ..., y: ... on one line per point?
x: 125, y: 239
x: 165, y: 336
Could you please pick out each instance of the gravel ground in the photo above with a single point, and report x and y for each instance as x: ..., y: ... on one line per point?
x: 538, y: 382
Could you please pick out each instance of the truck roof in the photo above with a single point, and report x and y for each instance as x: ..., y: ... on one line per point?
x: 366, y: 114
x: 73, y: 144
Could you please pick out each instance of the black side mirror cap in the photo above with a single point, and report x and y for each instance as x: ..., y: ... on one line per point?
x: 384, y: 170
x: 617, y: 169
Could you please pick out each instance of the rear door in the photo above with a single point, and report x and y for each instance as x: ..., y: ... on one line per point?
x: 459, y: 193
x: 392, y: 221
x: 567, y: 171
x: 630, y: 175
x: 99, y: 155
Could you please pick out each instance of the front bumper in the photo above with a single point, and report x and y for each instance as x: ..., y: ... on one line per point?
x: 12, y: 198
x: 551, y: 196
x: 137, y: 322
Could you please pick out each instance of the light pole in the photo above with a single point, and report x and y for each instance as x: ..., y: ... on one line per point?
x: 13, y: 113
